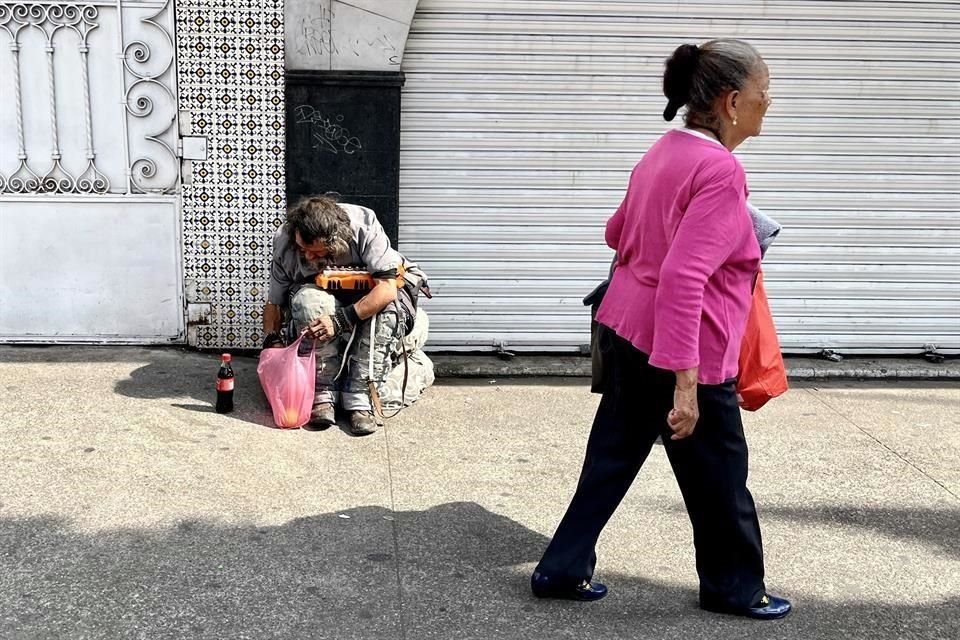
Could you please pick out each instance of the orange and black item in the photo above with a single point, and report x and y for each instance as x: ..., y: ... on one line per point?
x: 348, y: 278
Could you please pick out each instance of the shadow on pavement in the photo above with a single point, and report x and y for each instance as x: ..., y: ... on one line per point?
x: 170, y: 372
x: 934, y: 527
x: 464, y: 572
x: 177, y: 375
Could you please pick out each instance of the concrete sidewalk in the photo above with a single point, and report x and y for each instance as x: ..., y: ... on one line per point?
x: 128, y: 509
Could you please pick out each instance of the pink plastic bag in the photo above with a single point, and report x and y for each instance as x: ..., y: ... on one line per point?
x: 288, y: 380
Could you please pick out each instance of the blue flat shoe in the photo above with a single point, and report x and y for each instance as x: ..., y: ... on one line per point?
x: 768, y: 608
x: 586, y: 591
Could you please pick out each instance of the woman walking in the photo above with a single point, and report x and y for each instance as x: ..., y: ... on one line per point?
x: 671, y: 325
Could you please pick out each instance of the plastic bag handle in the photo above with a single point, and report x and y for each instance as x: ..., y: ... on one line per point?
x: 296, y: 343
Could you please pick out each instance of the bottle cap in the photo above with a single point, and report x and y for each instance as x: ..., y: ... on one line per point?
x: 226, y: 357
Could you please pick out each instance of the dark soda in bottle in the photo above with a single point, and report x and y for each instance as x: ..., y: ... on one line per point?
x: 225, y: 385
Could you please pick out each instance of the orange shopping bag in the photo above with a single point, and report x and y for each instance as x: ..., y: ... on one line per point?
x: 762, y: 373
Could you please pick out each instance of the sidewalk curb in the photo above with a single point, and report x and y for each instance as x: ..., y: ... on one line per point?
x: 488, y: 366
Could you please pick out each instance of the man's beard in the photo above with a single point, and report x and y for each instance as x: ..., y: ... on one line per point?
x: 323, y: 263
x: 319, y: 264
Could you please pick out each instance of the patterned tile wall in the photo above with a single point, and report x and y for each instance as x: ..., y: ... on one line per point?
x: 230, y: 76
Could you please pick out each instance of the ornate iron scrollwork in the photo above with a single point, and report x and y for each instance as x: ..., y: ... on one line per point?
x: 149, y: 102
x: 145, y: 99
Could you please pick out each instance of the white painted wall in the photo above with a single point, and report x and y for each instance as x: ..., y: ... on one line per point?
x: 106, y: 268
x: 329, y: 35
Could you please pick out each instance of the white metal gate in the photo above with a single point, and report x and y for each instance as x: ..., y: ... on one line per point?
x: 90, y: 238
x: 522, y: 119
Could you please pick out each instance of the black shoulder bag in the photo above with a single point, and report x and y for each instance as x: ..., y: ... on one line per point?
x: 599, y: 335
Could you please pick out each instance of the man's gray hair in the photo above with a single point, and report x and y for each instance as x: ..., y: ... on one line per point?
x: 320, y: 219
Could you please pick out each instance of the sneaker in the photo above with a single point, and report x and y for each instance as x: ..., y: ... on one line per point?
x: 363, y: 423
x: 321, y: 417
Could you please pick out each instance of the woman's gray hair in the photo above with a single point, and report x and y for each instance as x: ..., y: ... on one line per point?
x: 320, y: 219
x: 696, y: 76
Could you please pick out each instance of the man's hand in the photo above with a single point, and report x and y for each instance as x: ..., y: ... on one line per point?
x: 322, y: 329
x: 682, y: 419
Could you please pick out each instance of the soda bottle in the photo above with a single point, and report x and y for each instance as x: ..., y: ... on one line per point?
x: 225, y: 385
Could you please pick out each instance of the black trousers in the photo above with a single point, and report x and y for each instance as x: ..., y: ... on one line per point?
x: 710, y: 467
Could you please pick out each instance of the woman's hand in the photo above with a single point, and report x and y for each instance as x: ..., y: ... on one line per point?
x: 682, y: 419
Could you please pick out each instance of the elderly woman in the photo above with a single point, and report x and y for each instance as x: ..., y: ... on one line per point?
x: 672, y: 321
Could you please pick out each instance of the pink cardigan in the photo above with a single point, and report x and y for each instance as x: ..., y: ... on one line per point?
x: 686, y: 258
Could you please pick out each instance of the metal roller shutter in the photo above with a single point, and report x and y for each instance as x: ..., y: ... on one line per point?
x: 522, y: 120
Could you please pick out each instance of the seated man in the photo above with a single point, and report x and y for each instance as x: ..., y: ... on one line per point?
x: 322, y: 234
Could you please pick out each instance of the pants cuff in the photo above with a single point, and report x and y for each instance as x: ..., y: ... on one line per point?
x: 324, y: 395
x: 355, y: 401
